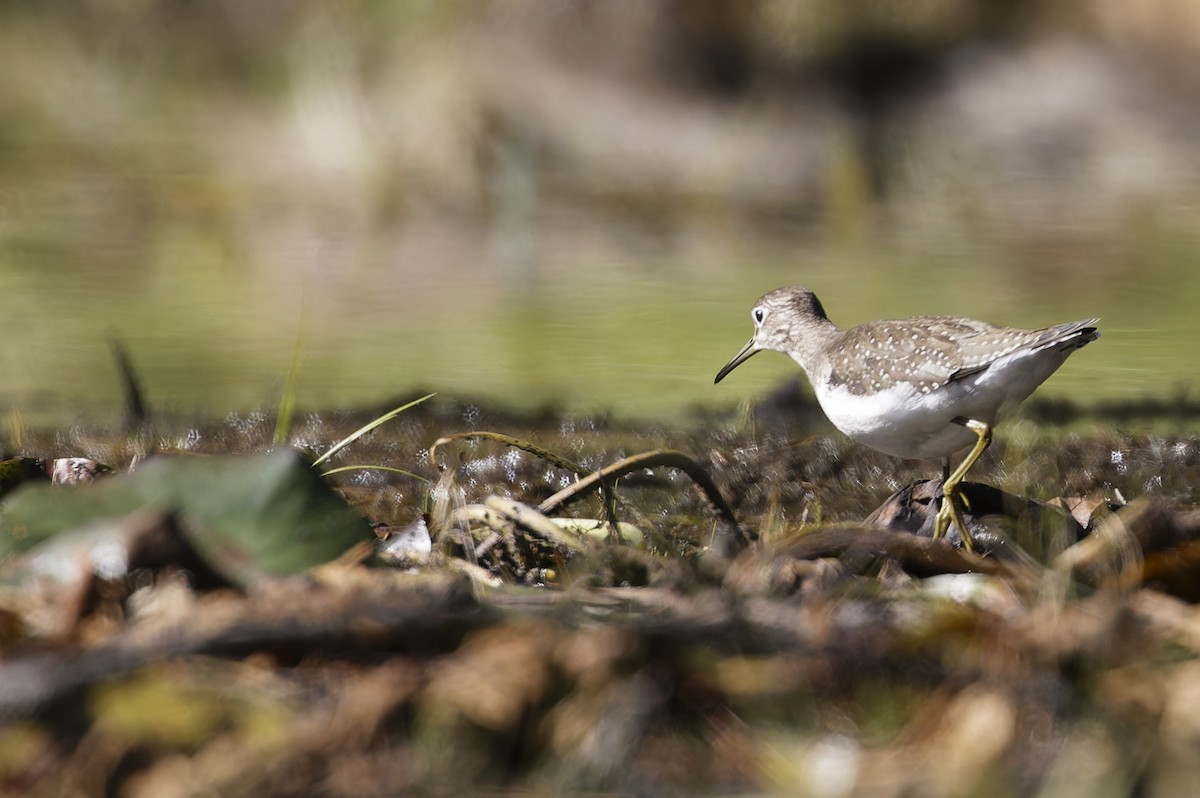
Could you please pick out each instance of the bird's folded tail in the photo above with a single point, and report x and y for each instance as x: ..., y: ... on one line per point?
x: 1071, y: 335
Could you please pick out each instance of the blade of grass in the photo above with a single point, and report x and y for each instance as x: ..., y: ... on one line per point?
x: 137, y: 412
x: 361, y: 431
x: 389, y: 469
x: 287, y: 400
x: 16, y: 425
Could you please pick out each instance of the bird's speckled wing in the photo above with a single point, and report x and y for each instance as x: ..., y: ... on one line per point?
x: 931, y: 351
x: 925, y: 351
x: 977, y: 352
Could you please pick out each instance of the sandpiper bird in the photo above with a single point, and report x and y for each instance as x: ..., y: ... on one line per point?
x: 916, y: 388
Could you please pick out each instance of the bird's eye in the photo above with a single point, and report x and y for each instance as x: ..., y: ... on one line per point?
x: 759, y: 314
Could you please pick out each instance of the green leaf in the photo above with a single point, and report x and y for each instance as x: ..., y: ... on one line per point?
x: 247, y: 514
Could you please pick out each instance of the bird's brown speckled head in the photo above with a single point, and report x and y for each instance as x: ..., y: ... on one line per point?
x: 783, y: 320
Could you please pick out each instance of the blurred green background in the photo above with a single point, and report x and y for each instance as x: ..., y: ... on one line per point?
x: 577, y: 202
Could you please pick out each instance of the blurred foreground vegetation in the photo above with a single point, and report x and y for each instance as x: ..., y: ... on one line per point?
x: 212, y: 640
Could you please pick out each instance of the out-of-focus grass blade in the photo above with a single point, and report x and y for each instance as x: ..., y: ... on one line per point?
x: 287, y: 400
x: 389, y: 469
x: 361, y: 431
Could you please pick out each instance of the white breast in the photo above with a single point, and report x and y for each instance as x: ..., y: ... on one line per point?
x: 900, y: 421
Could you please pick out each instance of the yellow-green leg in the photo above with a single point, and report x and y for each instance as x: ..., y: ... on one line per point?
x: 950, y: 509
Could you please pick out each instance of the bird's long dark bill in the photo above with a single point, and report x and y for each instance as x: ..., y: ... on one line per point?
x: 747, y: 352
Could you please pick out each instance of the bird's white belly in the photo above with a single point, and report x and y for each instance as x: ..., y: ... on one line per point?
x: 901, y: 421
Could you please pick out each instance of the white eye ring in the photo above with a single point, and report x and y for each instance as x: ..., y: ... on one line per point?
x: 759, y: 314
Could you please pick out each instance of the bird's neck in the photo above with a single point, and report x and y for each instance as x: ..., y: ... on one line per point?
x: 808, y: 343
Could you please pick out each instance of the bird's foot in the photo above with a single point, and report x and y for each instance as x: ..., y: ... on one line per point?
x: 950, y: 511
